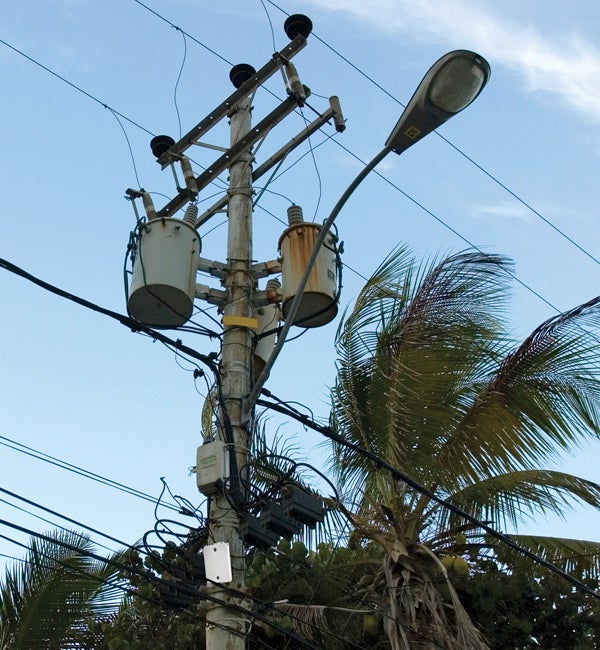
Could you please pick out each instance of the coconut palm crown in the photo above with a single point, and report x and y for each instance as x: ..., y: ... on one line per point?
x: 430, y: 380
x: 48, y: 599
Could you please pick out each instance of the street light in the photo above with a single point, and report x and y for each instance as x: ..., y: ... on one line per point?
x: 450, y: 85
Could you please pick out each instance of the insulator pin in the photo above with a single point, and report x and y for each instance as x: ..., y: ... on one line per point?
x: 295, y: 215
x: 191, y: 214
x: 273, y: 290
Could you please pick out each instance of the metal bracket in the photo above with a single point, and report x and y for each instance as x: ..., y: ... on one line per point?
x: 212, y: 296
x: 297, y: 140
x: 223, y: 109
x: 216, y: 269
x: 264, y: 269
x: 234, y: 153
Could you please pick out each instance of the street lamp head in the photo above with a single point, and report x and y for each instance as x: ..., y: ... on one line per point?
x: 450, y: 85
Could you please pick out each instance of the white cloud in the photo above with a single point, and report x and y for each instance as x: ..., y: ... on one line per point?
x: 504, y: 210
x: 565, y: 66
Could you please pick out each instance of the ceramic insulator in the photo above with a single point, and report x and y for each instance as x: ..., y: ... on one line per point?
x: 149, y: 206
x: 188, y: 175
x: 191, y: 214
x: 295, y: 84
x: 295, y: 216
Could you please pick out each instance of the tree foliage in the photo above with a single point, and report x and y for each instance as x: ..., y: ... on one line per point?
x: 49, y: 599
x: 430, y: 380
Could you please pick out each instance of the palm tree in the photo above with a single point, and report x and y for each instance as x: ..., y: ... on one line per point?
x: 430, y: 380
x: 48, y: 599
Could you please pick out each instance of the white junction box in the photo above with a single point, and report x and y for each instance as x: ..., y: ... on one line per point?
x: 217, y: 562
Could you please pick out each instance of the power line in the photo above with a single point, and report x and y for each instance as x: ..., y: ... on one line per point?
x: 75, y: 86
x: 480, y: 167
x: 166, y: 20
x: 203, y: 595
x: 408, y: 196
x: 391, y: 183
x: 70, y: 467
x: 328, y: 432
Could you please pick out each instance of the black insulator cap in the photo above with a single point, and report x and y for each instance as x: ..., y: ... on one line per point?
x: 297, y: 24
x: 161, y: 143
x: 241, y: 73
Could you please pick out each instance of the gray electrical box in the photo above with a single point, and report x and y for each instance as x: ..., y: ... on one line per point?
x: 212, y: 466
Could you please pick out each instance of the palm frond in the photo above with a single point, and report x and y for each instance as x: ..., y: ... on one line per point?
x: 579, y: 558
x: 409, y: 359
x: 510, y: 498
x: 544, y: 398
x: 56, y: 589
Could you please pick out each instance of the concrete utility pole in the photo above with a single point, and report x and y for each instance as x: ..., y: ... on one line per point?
x: 163, y: 289
x: 225, y: 629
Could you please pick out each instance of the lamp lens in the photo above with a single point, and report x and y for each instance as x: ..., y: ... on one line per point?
x: 456, y: 84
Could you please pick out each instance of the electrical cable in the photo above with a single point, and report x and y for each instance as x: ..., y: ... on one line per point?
x: 127, y: 321
x: 529, y: 288
x: 328, y: 432
x: 161, y: 581
x: 62, y: 464
x: 76, y: 87
x: 319, y: 181
x: 183, y: 32
x: 448, y: 227
x: 48, y: 521
x: 55, y: 513
x: 480, y: 167
x: 178, y: 80
x: 135, y: 171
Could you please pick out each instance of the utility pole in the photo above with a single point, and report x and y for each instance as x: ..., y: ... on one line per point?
x: 225, y: 629
x: 166, y: 259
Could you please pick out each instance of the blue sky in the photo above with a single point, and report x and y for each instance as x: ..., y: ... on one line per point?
x: 85, y: 389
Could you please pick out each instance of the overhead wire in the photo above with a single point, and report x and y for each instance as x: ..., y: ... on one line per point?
x: 204, y: 595
x: 70, y: 467
x: 124, y: 117
x: 64, y: 517
x: 417, y: 203
x: 179, y: 79
x: 75, y: 86
x: 394, y: 185
x: 330, y: 433
x: 471, y: 160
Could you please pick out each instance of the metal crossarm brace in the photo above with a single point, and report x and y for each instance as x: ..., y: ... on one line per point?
x: 223, y: 109
x: 306, y: 132
x: 232, y: 154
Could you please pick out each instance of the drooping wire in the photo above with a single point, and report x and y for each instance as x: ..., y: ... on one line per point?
x: 529, y: 288
x: 135, y: 171
x: 319, y: 181
x: 480, y: 167
x: 48, y: 521
x: 179, y: 78
x: 264, y: 6
x: 203, y: 45
x: 185, y: 588
x: 61, y: 464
